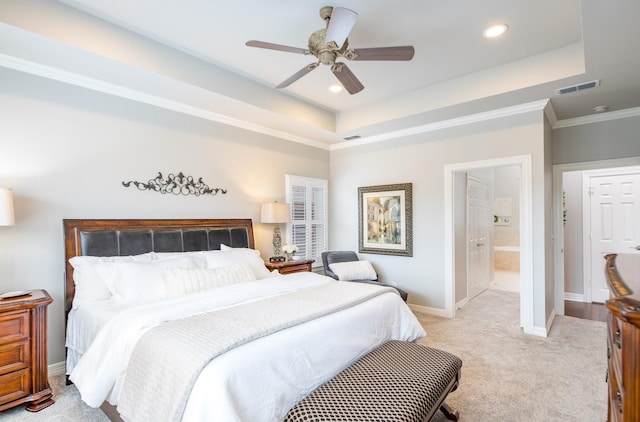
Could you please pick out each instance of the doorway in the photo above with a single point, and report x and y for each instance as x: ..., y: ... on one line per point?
x: 526, y: 223
x: 565, y: 285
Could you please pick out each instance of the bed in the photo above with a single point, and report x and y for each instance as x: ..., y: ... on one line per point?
x: 247, y: 344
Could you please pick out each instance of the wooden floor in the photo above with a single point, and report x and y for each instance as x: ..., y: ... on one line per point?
x: 583, y: 310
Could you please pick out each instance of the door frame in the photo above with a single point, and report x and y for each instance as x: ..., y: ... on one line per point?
x: 526, y: 237
x: 558, y: 232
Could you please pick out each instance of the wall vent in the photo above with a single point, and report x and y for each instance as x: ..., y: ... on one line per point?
x: 578, y: 87
x: 351, y: 138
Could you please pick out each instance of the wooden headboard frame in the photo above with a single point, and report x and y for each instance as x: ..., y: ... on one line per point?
x: 131, y: 237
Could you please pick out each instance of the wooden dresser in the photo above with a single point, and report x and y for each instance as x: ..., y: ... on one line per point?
x: 623, y: 342
x: 23, y: 352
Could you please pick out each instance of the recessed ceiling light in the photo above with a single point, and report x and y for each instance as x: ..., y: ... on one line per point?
x: 495, y: 30
x: 335, y: 88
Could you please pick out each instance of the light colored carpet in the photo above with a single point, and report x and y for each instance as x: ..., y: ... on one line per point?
x: 511, y: 376
x: 506, y: 375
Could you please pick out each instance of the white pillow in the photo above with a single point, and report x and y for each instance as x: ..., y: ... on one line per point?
x: 90, y: 285
x: 354, y: 270
x: 224, y: 247
x: 137, y: 282
x: 236, y: 256
x: 182, y: 281
x: 197, y: 255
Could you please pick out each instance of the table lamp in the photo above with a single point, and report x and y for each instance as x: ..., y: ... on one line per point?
x: 275, y: 213
x: 7, y: 217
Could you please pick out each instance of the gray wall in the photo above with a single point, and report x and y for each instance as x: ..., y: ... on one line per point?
x: 573, y: 263
x: 597, y: 141
x: 420, y: 159
x: 589, y: 143
x: 65, y: 151
x: 507, y: 185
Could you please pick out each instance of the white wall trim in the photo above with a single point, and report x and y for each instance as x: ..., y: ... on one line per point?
x: 55, y: 369
x: 446, y: 124
x: 428, y: 310
x: 74, y: 78
x: 595, y: 118
x: 526, y: 236
x: 145, y: 98
x: 549, y: 324
x: 574, y: 297
x: 461, y: 304
x: 586, y: 237
x: 558, y: 232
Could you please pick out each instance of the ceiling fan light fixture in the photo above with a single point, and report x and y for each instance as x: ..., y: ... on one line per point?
x: 340, y: 24
x: 495, y: 30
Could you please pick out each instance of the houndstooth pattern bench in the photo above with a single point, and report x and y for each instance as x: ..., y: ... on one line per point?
x: 399, y: 381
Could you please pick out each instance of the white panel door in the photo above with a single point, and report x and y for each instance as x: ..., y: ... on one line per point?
x: 614, y: 225
x: 478, y: 226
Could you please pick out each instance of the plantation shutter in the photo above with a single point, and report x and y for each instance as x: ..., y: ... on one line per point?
x: 308, y: 229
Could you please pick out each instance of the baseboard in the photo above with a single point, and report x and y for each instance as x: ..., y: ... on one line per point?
x: 574, y: 297
x: 462, y: 303
x: 549, y: 324
x: 428, y: 310
x: 55, y: 369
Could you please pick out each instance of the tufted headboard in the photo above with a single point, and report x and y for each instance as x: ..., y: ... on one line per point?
x: 133, y: 237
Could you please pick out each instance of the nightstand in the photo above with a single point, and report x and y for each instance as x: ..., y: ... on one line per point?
x: 23, y: 351
x: 288, y: 267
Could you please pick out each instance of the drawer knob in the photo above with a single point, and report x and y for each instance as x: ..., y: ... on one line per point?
x: 619, y: 401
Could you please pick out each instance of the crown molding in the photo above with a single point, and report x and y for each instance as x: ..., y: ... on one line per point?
x: 94, y: 84
x: 596, y: 118
x: 446, y: 124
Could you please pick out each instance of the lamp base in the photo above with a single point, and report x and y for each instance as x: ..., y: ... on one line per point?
x: 277, y: 259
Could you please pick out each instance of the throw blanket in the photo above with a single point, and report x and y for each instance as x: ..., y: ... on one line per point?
x: 168, y: 359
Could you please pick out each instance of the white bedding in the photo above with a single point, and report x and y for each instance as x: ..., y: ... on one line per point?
x: 260, y: 380
x: 83, y: 325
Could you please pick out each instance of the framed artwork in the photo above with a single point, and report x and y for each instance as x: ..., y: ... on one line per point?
x: 385, y: 219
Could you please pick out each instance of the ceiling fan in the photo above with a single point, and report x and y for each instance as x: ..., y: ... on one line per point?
x: 330, y: 43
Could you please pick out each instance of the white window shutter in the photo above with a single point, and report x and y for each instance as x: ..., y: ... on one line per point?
x: 308, y: 229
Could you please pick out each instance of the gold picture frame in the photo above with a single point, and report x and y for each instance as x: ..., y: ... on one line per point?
x: 385, y: 219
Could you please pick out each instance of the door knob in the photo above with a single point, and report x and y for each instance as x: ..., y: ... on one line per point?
x: 638, y: 247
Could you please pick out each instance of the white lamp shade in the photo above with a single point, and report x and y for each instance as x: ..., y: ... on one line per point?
x: 274, y: 212
x: 7, y: 217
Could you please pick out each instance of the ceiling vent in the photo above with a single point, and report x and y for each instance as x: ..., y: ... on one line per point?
x: 578, y: 87
x: 351, y: 138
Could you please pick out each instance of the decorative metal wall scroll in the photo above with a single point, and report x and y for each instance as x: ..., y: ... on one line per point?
x: 176, y: 184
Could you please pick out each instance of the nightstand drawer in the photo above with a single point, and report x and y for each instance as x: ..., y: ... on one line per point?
x: 14, y: 326
x: 14, y: 386
x: 14, y: 356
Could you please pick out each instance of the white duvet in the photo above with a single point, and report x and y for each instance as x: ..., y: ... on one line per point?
x: 260, y: 380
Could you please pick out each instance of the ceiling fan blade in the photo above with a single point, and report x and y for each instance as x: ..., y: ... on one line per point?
x: 279, y: 47
x: 340, y: 24
x: 347, y: 78
x: 299, y: 74
x: 382, y: 53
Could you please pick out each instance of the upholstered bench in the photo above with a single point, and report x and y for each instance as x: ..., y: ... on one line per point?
x: 399, y: 381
